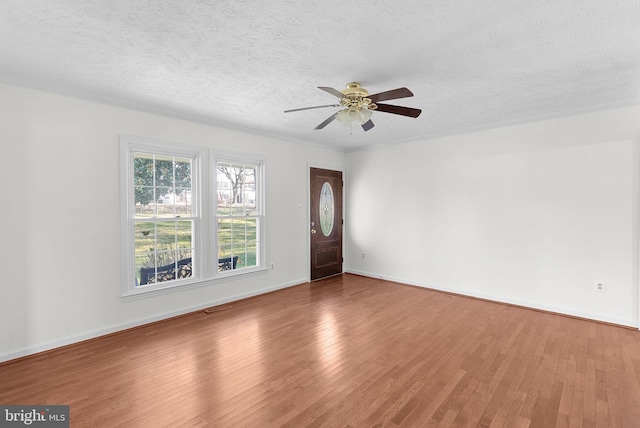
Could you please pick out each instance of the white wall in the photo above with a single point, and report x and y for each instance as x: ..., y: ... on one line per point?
x: 60, y: 218
x: 532, y: 214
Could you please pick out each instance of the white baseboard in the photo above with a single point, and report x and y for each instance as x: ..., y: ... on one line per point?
x: 137, y: 323
x: 499, y: 299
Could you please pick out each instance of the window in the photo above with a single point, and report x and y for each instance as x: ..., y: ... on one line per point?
x: 183, y: 226
x: 238, y: 215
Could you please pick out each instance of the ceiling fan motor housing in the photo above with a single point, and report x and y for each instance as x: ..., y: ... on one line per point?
x: 355, y: 97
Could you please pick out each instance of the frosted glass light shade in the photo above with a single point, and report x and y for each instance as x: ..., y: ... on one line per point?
x: 364, y: 114
x: 349, y: 115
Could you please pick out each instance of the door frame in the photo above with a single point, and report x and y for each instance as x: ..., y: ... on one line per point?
x: 308, y: 221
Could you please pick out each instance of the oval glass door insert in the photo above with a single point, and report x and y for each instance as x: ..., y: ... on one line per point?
x: 326, y: 209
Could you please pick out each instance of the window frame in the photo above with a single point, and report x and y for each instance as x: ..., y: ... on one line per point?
x: 204, y: 214
x: 131, y: 145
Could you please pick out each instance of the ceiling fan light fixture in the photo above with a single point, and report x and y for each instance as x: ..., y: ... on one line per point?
x: 364, y: 114
x: 353, y: 114
x: 345, y: 116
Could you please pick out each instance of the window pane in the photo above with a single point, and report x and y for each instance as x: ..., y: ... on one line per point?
x: 248, y: 190
x: 238, y: 209
x: 250, y: 258
x: 163, y: 250
x: 326, y: 209
x: 183, y: 173
x: 250, y: 198
x: 143, y: 169
x: 144, y: 201
x: 237, y: 243
x: 145, y: 269
x: 166, y: 236
x: 224, y: 204
x: 183, y: 202
x: 164, y: 171
x: 230, y: 179
x: 166, y: 202
x: 185, y: 264
x: 183, y: 235
x: 225, y: 251
x: 238, y: 232
x: 226, y: 254
x: 166, y: 269
x: 224, y: 235
x: 226, y: 260
x: 224, y: 192
x: 172, y: 265
x: 144, y: 238
x: 143, y: 182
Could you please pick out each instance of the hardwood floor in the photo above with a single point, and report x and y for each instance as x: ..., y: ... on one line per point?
x: 345, y: 351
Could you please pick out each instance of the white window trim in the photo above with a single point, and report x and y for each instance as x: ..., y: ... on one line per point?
x: 204, y: 187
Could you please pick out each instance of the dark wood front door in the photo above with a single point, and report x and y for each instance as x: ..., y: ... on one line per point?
x: 326, y: 223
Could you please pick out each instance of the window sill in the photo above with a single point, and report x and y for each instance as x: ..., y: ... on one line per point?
x: 180, y: 285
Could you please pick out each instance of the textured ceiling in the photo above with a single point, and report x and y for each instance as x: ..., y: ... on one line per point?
x: 240, y: 64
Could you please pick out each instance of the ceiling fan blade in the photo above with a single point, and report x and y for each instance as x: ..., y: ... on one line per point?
x: 328, y: 120
x: 403, y: 111
x: 367, y: 125
x: 332, y: 91
x: 391, y: 95
x: 309, y: 108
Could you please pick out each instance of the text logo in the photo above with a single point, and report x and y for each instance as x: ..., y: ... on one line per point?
x: 34, y: 416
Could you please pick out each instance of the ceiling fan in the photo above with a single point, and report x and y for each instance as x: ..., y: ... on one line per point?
x: 359, y: 105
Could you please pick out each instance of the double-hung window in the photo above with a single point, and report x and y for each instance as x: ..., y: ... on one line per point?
x: 238, y: 214
x: 189, y: 216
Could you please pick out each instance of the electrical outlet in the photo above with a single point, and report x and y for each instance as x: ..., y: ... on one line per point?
x: 273, y: 265
x: 600, y: 287
x: 363, y: 255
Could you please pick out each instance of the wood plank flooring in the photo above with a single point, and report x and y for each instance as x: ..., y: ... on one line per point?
x: 347, y: 351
